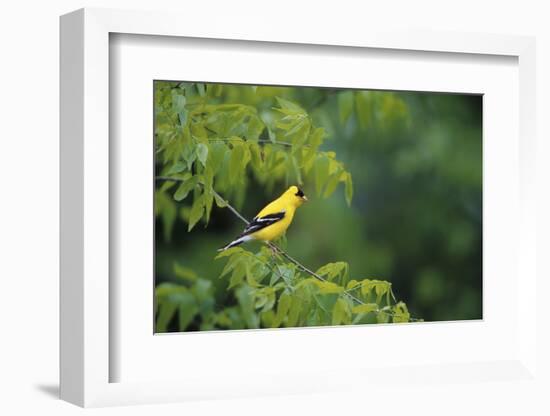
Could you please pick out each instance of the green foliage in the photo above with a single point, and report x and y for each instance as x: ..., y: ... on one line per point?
x: 211, y: 147
x: 206, y: 148
x: 270, y: 293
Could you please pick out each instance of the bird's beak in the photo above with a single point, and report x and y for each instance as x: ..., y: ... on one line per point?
x: 305, y: 198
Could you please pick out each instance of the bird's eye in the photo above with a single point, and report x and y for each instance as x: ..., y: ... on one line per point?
x: 300, y: 193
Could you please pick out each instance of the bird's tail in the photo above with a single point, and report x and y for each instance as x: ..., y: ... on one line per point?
x: 236, y: 242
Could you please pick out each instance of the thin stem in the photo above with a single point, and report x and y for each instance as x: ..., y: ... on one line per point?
x: 233, y: 210
x: 287, y: 256
x: 357, y: 286
x: 277, y: 142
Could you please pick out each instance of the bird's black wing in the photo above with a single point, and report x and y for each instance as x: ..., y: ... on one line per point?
x: 261, y: 222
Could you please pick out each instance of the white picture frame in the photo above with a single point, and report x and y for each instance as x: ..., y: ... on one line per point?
x: 86, y: 353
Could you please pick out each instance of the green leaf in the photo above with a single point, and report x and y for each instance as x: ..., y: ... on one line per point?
x: 332, y: 183
x: 345, y: 105
x: 167, y: 211
x: 366, y: 287
x: 246, y: 302
x: 165, y: 291
x: 235, y: 162
x: 363, y: 107
x: 299, y: 125
x: 326, y: 304
x: 341, y: 313
x: 166, y: 311
x: 167, y: 185
x: 208, y: 192
x: 250, y: 278
x: 178, y: 101
x: 188, y: 153
x: 381, y: 288
x: 177, y: 167
x: 302, y: 135
x: 366, y: 308
x: 246, y: 157
x: 197, y: 212
x: 287, y: 122
x: 256, y: 156
x: 185, y: 273
x: 202, y: 290
x: 295, y: 169
x: 183, y: 116
x: 202, y: 153
x: 353, y: 284
x: 201, y: 89
x: 239, y: 273
x: 333, y: 270
x: 230, y: 265
x: 382, y: 317
x: 326, y: 269
x: 271, y: 298
x: 348, y: 189
x: 275, y: 276
x: 261, y: 300
x: 316, y: 138
x: 282, y: 308
x: 185, y: 187
x: 286, y: 272
x: 288, y: 105
x: 188, y: 309
x: 220, y: 202
x: 324, y: 287
x: 328, y: 287
x: 321, y: 173
x: 229, y: 252
x: 268, y: 319
x: 215, y: 90
x: 294, y: 311
x: 216, y: 156
x: 400, y: 313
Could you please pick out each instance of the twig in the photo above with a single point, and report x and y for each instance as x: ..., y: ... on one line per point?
x: 277, y: 142
x: 233, y: 210
x: 357, y: 286
x: 287, y: 256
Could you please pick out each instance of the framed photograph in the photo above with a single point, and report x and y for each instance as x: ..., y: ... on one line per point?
x: 414, y: 158
x: 280, y: 214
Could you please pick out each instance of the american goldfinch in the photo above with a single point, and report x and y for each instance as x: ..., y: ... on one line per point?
x: 272, y: 221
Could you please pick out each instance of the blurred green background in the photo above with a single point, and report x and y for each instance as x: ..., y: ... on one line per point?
x: 416, y: 214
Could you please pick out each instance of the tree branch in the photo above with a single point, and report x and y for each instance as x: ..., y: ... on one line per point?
x: 287, y: 256
x: 277, y: 142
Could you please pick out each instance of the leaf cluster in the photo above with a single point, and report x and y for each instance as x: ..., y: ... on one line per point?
x: 207, y: 146
x: 271, y: 293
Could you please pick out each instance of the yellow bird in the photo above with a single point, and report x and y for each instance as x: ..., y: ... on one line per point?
x: 272, y: 221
